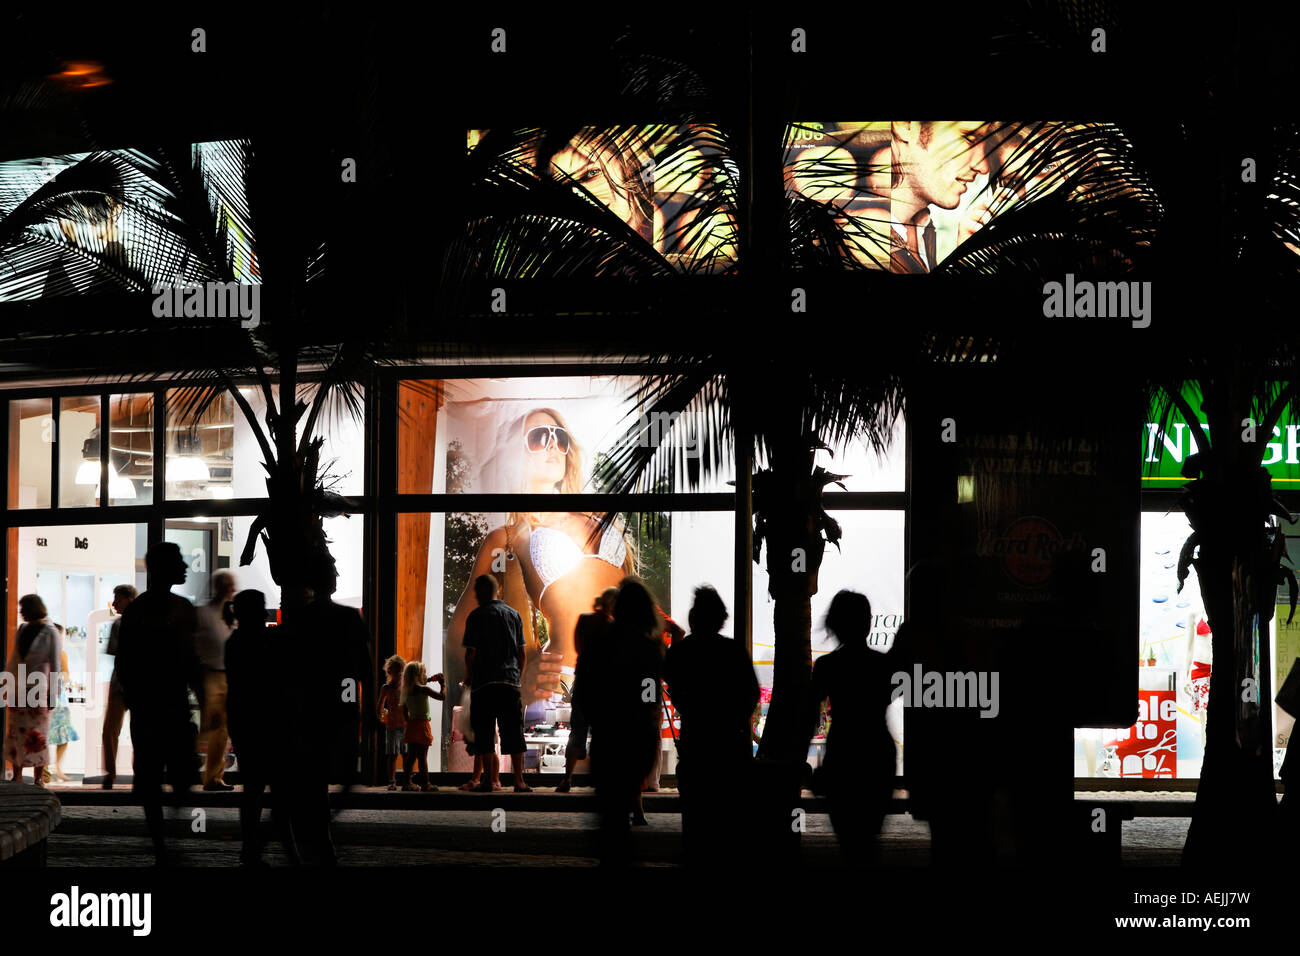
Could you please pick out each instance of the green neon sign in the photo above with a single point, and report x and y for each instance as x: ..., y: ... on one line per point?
x: 1163, y: 454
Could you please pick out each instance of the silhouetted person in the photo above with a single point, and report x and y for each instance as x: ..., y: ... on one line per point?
x: 255, y: 675
x: 339, y: 675
x: 858, y: 773
x: 714, y: 690
x: 494, y: 661
x: 210, y: 642
x: 618, y: 689
x: 157, y: 665
x: 589, y: 629
x: 115, y: 708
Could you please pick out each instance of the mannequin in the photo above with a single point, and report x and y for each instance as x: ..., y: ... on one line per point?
x: 1197, y: 663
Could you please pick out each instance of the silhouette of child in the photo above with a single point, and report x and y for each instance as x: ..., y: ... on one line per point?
x: 393, y: 718
x: 415, y: 707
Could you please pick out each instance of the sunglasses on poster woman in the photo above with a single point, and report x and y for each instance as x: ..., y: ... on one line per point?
x: 540, y: 437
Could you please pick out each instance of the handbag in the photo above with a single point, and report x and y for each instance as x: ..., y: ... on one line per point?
x: 463, y: 724
x: 1288, y: 698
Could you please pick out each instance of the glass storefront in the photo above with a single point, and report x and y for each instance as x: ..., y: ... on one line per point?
x: 61, y: 446
x: 503, y: 438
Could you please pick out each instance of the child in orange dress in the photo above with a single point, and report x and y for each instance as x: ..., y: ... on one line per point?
x: 415, y: 704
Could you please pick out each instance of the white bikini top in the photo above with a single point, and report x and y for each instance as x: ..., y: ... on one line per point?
x: 555, y: 554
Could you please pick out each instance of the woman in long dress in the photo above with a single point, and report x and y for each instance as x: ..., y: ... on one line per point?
x: 38, y: 650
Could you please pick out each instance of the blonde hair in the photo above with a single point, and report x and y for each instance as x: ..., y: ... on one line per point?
x: 394, y: 661
x: 503, y: 472
x: 411, y: 675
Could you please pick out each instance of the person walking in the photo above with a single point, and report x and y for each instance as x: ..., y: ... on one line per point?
x: 115, y: 708
x: 254, y: 671
x: 339, y: 676
x: 589, y: 629
x: 210, y: 642
x: 36, y: 654
x: 618, y: 687
x: 157, y: 664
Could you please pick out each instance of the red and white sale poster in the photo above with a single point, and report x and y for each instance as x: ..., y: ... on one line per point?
x: 1150, y: 747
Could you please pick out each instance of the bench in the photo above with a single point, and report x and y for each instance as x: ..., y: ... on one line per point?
x: 27, y: 816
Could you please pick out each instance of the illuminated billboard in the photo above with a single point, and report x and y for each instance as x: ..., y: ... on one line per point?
x: 902, y: 196
x: 123, y: 219
x: 671, y: 191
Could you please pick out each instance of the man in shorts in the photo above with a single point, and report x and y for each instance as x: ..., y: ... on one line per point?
x: 494, y: 658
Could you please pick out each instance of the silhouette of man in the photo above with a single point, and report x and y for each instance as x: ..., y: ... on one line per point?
x: 340, y: 673
x: 210, y: 642
x: 494, y: 659
x: 115, y: 709
x: 157, y: 665
x: 251, y: 661
x: 714, y: 688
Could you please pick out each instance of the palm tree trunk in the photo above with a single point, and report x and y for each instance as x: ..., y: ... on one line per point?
x: 1235, y: 802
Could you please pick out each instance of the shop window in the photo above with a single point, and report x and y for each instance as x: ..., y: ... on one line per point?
x: 863, y: 469
x: 1174, y: 665
x: 869, y: 560
x: 346, y: 545
x: 546, y: 578
x: 130, y: 449
x: 200, y: 446
x: 31, y: 445
x: 74, y: 569
x: 79, y: 451
x: 545, y: 436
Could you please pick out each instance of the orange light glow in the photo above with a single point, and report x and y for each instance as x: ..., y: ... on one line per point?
x: 82, y: 74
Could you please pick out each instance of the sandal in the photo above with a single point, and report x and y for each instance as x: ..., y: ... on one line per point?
x: 392, y: 785
x: 469, y: 785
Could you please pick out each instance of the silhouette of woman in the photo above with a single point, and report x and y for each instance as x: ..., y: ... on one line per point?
x: 858, y: 773
x: 619, y: 690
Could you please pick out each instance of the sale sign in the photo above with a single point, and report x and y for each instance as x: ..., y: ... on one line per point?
x: 1150, y: 747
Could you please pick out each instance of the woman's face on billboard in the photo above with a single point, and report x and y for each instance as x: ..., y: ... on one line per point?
x: 543, y: 468
x: 597, y: 178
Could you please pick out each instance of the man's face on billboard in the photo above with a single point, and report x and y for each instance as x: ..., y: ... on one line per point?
x: 938, y: 161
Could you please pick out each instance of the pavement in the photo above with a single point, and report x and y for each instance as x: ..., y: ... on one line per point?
x: 373, y: 827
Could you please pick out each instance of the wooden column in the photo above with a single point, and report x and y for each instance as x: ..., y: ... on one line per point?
x: 417, y: 424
